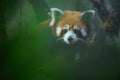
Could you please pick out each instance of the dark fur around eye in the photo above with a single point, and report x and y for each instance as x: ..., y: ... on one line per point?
x: 65, y: 30
x: 76, y: 31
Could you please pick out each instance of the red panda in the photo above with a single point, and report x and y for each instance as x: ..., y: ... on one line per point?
x: 72, y: 26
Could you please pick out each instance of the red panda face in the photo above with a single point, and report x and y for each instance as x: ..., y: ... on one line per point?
x: 70, y: 28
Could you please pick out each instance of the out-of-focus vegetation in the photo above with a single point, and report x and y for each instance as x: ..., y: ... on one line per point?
x: 29, y: 50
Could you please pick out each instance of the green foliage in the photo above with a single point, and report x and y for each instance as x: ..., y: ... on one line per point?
x: 36, y: 55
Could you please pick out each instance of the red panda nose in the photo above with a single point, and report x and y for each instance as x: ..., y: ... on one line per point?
x: 70, y: 39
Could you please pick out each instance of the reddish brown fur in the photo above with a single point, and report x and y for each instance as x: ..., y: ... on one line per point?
x: 71, y: 18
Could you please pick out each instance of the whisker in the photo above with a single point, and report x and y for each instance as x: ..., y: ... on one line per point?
x: 59, y: 38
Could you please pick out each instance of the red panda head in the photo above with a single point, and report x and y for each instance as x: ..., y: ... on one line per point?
x: 71, y: 26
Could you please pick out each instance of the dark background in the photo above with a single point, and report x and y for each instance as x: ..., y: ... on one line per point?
x: 30, y: 52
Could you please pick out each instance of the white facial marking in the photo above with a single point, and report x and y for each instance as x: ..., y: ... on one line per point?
x: 76, y: 27
x: 58, y: 30
x: 84, y: 32
x: 66, y: 27
x: 71, y: 34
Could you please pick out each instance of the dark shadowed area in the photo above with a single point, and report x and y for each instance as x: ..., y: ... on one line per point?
x: 29, y: 50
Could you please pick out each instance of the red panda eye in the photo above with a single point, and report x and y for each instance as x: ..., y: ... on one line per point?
x: 65, y: 30
x: 75, y: 30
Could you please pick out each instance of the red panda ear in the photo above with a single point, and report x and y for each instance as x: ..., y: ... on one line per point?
x: 53, y: 15
x: 87, y: 16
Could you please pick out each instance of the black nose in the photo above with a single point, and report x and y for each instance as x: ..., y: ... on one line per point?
x: 70, y: 39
